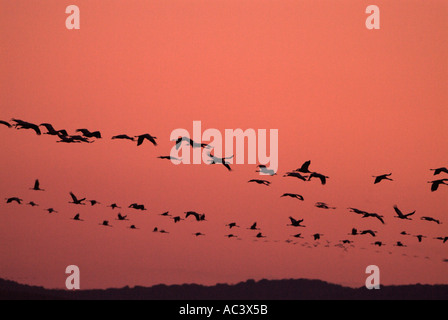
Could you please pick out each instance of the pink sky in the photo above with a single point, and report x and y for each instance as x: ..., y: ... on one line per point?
x: 355, y: 102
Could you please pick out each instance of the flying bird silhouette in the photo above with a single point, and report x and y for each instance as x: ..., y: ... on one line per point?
x: 420, y: 237
x: 141, y: 138
x: 14, y: 199
x: 86, y: 133
x: 232, y: 225
x: 296, y: 223
x: 31, y: 203
x: 323, y: 179
x: 137, y: 206
x: 317, y: 236
x: 382, y: 177
x: 77, y: 217
x: 293, y: 195
x: 5, y: 123
x: 20, y: 124
x: 323, y: 205
x: 170, y: 158
x: 198, y: 234
x: 400, y: 214
x: 265, y: 171
x: 444, y: 239
x: 217, y: 160
x: 254, y: 227
x: 176, y: 219
x: 93, y: 202
x: 76, y: 200
x: 371, y: 232
x: 305, y: 167
x: 123, y: 137
x: 439, y: 170
x: 259, y: 181
x: 192, y: 143
x: 373, y: 215
x: 295, y: 175
x: 430, y: 220
x: 121, y: 217
x: 114, y: 206
x: 36, y: 186
x: 51, y: 131
x: 198, y: 216
x: 436, y: 183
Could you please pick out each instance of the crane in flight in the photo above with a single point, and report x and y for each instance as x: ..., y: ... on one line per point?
x: 293, y: 195
x: 51, y: 131
x: 76, y: 200
x: 232, y: 225
x: 141, y: 138
x: 93, y: 202
x: 14, y: 199
x: 371, y: 232
x: 374, y: 215
x: 317, y: 236
x: 323, y: 178
x: 122, y: 218
x: 86, y: 133
x: 444, y: 239
x: 217, y: 160
x: 439, y: 170
x: 430, y: 219
x: 36, y: 186
x: 436, y: 183
x: 198, y: 234
x: 177, y: 219
x: 5, y: 123
x: 123, y: 137
x: 254, y: 226
x: 382, y: 177
x: 77, y: 217
x: 114, y: 206
x: 295, y: 175
x: 197, y: 216
x: 20, y: 124
x: 170, y: 158
x: 401, y: 215
x: 260, y: 181
x: 305, y: 167
x: 265, y: 171
x: 296, y: 223
x: 420, y: 237
x: 323, y: 205
x: 137, y: 206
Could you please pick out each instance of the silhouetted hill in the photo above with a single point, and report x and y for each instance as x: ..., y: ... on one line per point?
x: 250, y: 290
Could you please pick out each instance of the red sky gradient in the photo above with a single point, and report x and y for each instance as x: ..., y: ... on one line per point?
x: 355, y: 102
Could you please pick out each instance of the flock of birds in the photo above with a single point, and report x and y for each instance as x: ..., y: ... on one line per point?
x: 302, y: 173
